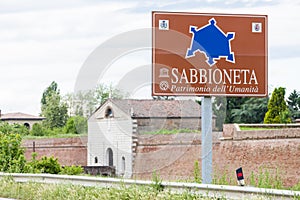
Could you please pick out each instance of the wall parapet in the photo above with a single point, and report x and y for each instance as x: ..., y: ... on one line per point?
x: 261, y: 131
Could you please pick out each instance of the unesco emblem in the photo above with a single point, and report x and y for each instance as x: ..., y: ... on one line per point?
x: 164, y: 85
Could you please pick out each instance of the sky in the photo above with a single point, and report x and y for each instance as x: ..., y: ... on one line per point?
x: 45, y: 41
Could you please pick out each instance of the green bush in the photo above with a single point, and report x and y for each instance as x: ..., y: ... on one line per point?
x: 12, y: 157
x: 31, y: 167
x: 70, y: 126
x: 20, y: 129
x: 71, y: 170
x: 56, y: 131
x: 37, y: 130
x: 76, y: 125
x: 48, y: 165
x: 7, y: 128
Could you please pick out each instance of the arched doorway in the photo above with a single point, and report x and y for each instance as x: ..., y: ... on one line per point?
x: 123, y: 165
x: 110, y: 157
x: 27, y: 125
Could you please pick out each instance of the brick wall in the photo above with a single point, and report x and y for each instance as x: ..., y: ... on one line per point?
x: 270, y: 154
x: 156, y: 124
x: 173, y: 156
x: 69, y: 151
x: 232, y: 131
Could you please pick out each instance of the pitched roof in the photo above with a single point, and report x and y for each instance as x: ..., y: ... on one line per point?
x: 19, y: 116
x: 158, y: 108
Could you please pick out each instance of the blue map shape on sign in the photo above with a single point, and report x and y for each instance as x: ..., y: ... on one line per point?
x: 211, y: 40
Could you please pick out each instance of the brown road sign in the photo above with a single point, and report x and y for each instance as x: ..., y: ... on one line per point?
x: 209, y: 54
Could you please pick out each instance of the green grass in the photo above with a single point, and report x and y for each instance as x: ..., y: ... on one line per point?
x: 31, y: 190
x: 54, y: 136
x: 170, y: 132
x: 250, y: 128
x: 264, y: 178
x: 296, y: 187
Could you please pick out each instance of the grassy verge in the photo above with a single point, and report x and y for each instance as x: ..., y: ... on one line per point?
x: 249, y: 128
x: 54, y: 136
x: 31, y: 190
x: 11, y: 189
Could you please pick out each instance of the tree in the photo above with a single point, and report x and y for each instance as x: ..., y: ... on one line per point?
x: 76, y: 125
x: 294, y: 104
x: 48, y: 92
x: 251, y: 111
x: 231, y: 104
x: 53, y: 108
x: 278, y: 111
x: 103, y: 92
x: 239, y: 110
x: 84, y: 103
x: 37, y: 130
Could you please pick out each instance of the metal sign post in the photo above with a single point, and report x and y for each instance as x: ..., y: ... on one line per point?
x: 206, y: 139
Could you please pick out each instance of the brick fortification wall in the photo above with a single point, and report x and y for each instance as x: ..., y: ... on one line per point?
x: 173, y: 156
x: 69, y: 151
x: 156, y: 124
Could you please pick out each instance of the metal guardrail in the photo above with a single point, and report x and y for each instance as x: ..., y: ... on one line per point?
x: 230, y: 192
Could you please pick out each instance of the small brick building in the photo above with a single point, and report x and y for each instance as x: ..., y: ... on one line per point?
x: 114, y: 126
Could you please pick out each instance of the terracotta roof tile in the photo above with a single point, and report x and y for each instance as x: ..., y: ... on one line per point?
x: 19, y: 115
x: 159, y: 108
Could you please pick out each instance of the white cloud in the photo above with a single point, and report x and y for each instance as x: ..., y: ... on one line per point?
x: 285, y: 73
x: 42, y: 41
